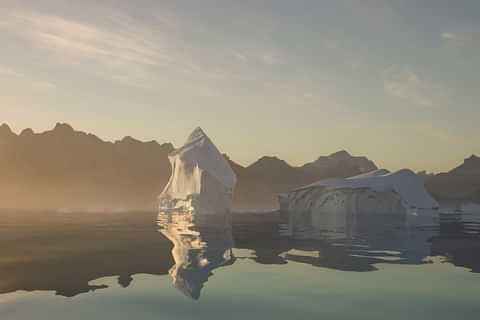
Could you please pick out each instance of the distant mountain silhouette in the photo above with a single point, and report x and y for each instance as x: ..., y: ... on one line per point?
x: 461, y: 183
x: 425, y: 175
x: 65, y: 168
x: 339, y: 164
x: 261, y: 182
x: 276, y: 173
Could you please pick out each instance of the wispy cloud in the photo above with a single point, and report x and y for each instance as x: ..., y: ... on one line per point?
x: 127, y: 46
x: 7, y: 72
x: 449, y: 36
x: 254, y: 56
x: 122, y: 49
x: 403, y: 83
x: 465, y: 39
x: 335, y: 47
x: 119, y: 49
x: 271, y: 58
x: 240, y: 57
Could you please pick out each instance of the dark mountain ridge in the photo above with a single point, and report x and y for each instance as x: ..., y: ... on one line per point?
x: 65, y: 168
x: 267, y: 177
x: 460, y: 183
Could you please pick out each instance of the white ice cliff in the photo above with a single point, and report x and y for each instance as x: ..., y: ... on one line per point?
x: 202, y: 181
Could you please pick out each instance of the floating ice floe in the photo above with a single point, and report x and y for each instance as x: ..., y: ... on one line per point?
x: 202, y: 181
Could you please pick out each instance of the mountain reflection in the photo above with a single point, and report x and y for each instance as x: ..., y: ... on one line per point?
x: 65, y: 252
x: 459, y: 242
x: 201, y: 243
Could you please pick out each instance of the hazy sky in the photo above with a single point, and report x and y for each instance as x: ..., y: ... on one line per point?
x: 397, y: 81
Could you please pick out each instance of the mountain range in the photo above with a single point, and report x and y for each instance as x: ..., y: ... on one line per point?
x: 65, y: 168
x: 460, y: 183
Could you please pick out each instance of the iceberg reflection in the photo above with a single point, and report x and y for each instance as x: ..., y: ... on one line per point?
x: 356, y: 242
x: 201, y: 243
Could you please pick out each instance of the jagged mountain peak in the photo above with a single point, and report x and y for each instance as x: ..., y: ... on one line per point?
x: 6, y: 134
x: 473, y: 158
x: 341, y: 154
x: 462, y: 182
x: 27, y: 132
x: 5, y: 128
x: 129, y: 140
x: 271, y: 161
x: 63, y: 127
x: 469, y: 165
x: 78, y: 169
x: 337, y: 159
x: 167, y: 146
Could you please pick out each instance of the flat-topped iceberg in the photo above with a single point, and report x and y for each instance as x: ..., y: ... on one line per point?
x: 337, y: 203
x: 405, y: 186
x: 202, y: 181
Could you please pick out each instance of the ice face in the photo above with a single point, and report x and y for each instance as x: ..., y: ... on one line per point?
x: 408, y: 185
x: 333, y: 206
x: 202, y: 181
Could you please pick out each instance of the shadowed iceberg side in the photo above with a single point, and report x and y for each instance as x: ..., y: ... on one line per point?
x: 202, y: 181
x: 200, y: 245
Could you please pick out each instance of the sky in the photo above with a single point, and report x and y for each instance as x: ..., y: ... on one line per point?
x: 397, y: 81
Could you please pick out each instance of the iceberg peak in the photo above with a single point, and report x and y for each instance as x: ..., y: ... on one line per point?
x: 196, y: 134
x: 202, y: 179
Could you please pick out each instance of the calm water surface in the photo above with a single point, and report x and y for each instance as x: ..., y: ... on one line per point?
x: 143, y: 266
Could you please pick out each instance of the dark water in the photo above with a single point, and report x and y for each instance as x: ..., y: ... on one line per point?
x: 138, y: 265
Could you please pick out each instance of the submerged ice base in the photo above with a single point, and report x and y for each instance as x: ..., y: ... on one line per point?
x: 202, y: 181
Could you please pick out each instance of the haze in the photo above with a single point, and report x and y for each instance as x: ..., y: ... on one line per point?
x: 394, y: 80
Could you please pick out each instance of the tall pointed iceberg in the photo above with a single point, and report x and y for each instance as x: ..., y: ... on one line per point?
x: 202, y: 181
